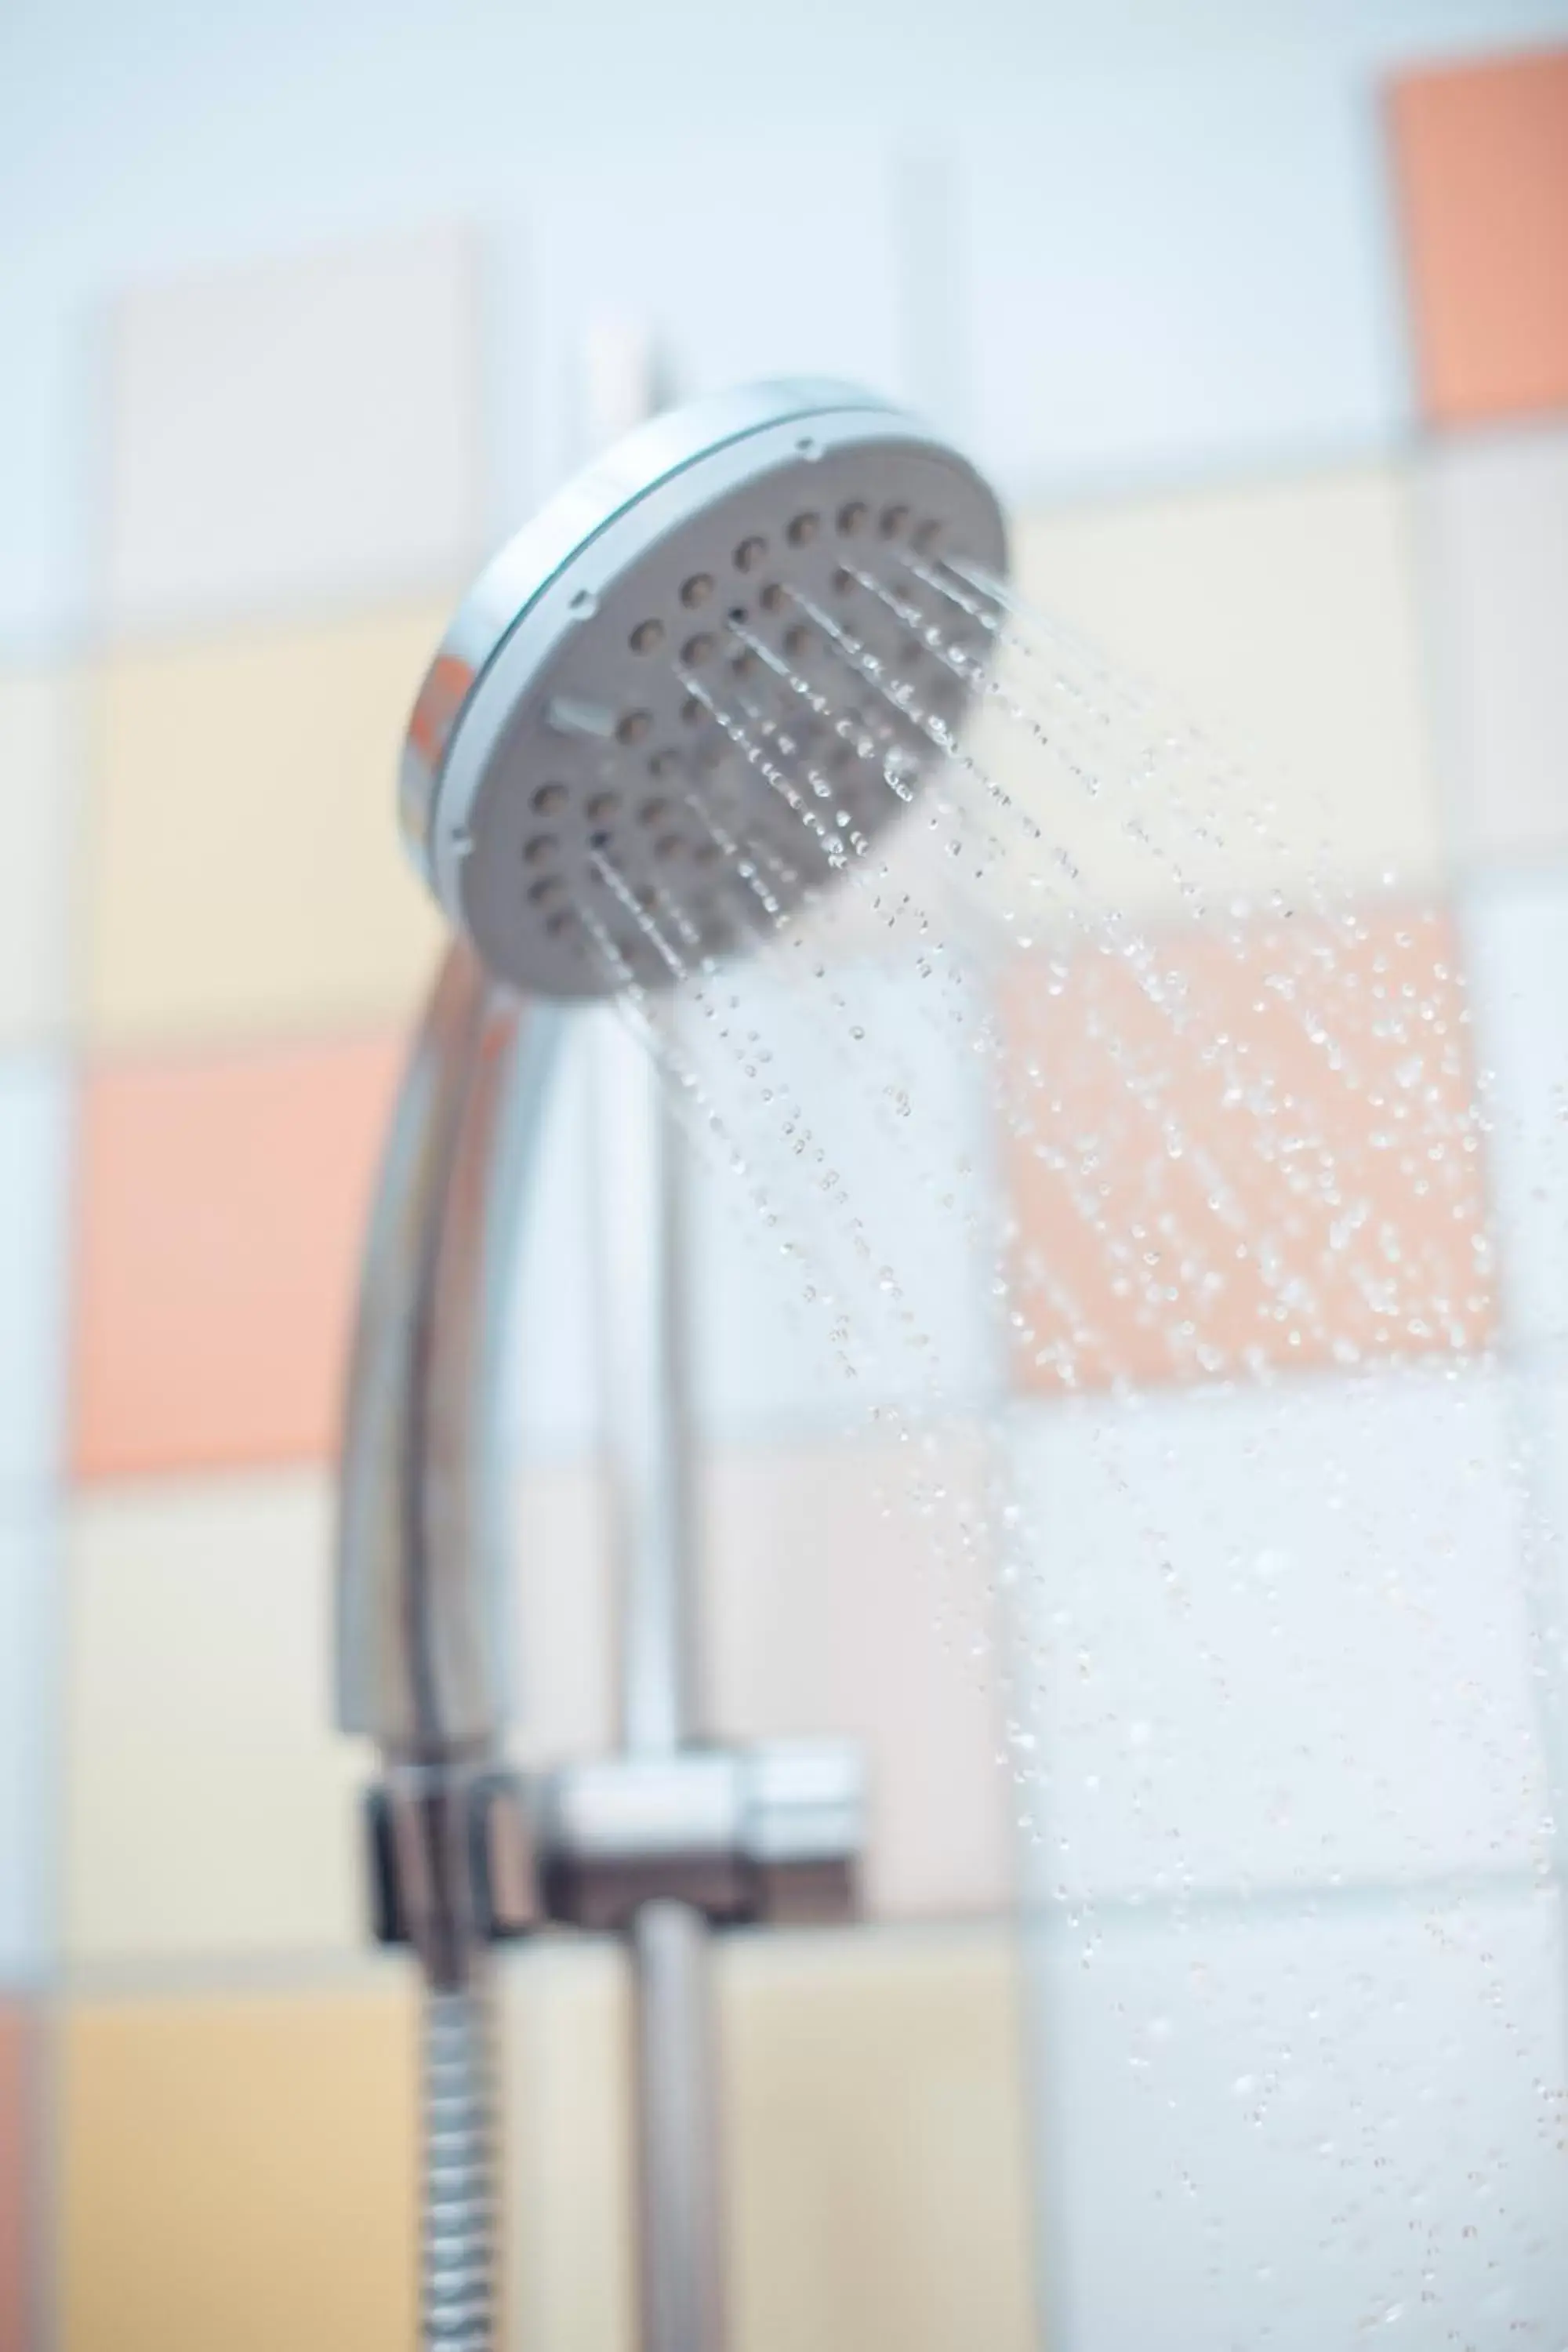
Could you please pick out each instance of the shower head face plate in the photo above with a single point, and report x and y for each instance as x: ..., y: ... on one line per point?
x: 670, y: 709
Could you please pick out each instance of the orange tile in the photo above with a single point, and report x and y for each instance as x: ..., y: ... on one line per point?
x: 12, y: 2180
x: 239, y: 2171
x: 1481, y: 155
x: 1278, y: 1164
x: 221, y: 1217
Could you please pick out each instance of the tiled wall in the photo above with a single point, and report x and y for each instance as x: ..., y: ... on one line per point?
x: 1285, y: 427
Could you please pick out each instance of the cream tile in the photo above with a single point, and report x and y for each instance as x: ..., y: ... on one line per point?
x: 847, y: 1593
x: 35, y: 1115
x: 30, y: 1734
x: 1281, y: 1639
x: 874, y: 2137
x: 1497, y: 513
x: 248, y: 874
x: 39, y: 726
x: 212, y: 1809
x: 1306, y: 2130
x: 305, y: 427
x: 239, y: 2171
x: 1241, y: 669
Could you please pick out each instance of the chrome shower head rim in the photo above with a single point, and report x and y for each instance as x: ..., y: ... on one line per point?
x: 528, y: 786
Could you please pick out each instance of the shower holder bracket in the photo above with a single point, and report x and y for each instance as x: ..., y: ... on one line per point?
x: 766, y: 1834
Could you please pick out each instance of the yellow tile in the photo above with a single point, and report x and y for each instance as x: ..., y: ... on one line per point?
x: 875, y: 2148
x: 1279, y: 622
x: 568, y: 2151
x: 248, y: 874
x: 211, y: 1807
x: 39, y: 804
x: 239, y: 2172
x: 879, y: 2186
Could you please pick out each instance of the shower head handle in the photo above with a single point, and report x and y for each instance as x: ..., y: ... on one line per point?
x: 570, y: 768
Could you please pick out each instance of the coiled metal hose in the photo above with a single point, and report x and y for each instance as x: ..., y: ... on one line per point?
x: 460, y: 2223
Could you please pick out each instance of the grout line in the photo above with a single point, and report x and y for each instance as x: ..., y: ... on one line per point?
x: 1062, y: 1919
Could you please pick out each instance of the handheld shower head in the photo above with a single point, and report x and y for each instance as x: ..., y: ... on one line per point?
x: 681, y: 670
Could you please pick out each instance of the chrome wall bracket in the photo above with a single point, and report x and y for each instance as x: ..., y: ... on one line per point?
x: 765, y: 1835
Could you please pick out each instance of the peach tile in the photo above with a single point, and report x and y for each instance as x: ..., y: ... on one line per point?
x: 222, y: 1208
x: 1262, y: 1153
x: 300, y: 427
x: 847, y: 1593
x: 39, y: 719
x: 239, y: 2171
x: 246, y: 874
x: 14, y: 2246
x: 1240, y: 668
x: 1481, y: 156
x: 874, y: 2144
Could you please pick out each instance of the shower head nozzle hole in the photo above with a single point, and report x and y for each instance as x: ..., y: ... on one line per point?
x: 853, y: 518
x: 603, y: 806
x: 647, y: 636
x: 804, y: 529
x: 697, y: 650
x: 750, y: 553
x: 664, y: 763
x: 549, y: 799
x: 895, y: 520
x: 693, y: 711
x: 843, y: 581
x: 634, y: 727
x: 773, y: 597
x: 540, y: 850
x: 547, y: 890
x: 653, y: 812
x: 697, y: 590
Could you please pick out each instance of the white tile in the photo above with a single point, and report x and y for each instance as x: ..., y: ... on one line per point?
x: 916, y: 1332
x: 773, y: 254
x: 1307, y: 2132
x: 1515, y: 953
x: 1280, y: 1638
x: 39, y: 717
x: 307, y: 428
x: 34, y: 1181
x: 1497, y: 513
x: 1176, y: 271
x: 29, y: 1836
x: 869, y: 1291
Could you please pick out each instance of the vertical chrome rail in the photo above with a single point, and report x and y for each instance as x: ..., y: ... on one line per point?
x: 650, y: 1453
